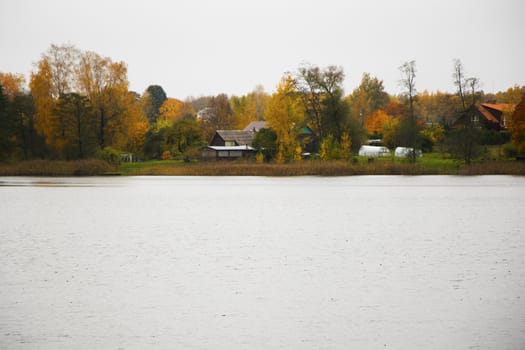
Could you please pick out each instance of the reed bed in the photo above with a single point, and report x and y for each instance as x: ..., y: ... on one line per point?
x: 88, y: 167
x: 303, y: 168
x: 494, y: 168
x: 247, y: 168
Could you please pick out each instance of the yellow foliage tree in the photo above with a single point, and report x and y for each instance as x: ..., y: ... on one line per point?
x: 54, y: 78
x: 250, y: 107
x: 45, y: 123
x: 346, y: 145
x: 244, y: 110
x: 11, y: 84
x: 105, y: 83
x: 174, y: 110
x: 285, y: 115
x: 390, y: 133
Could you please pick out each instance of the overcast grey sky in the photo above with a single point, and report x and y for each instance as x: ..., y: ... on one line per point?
x: 206, y: 47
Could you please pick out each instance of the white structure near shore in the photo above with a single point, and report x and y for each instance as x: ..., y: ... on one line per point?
x: 374, y: 151
x: 403, y: 152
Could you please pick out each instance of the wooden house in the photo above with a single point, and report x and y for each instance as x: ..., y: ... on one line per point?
x: 232, y: 138
x: 490, y: 116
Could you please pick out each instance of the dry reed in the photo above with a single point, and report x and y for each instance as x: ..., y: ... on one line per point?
x: 88, y: 167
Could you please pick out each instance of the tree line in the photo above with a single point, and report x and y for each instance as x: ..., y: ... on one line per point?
x: 79, y: 106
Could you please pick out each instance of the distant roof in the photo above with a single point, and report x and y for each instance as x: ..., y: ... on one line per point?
x: 240, y: 137
x: 256, y: 126
x: 231, y: 148
x: 305, y: 130
x: 206, y: 113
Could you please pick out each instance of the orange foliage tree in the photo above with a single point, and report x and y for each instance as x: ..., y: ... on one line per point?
x: 375, y: 121
x: 517, y: 126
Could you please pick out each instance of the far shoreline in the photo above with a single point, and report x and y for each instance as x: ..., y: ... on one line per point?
x: 55, y: 168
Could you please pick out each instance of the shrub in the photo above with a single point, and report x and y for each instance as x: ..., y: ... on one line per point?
x: 110, y: 155
x: 330, y: 148
x: 166, y: 155
x: 259, y: 157
x: 191, y: 153
x: 510, y: 150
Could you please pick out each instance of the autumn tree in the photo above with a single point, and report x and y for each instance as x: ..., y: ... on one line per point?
x: 368, y: 97
x: 390, y: 131
x: 198, y: 103
x: 188, y: 136
x: 259, y: 98
x: 63, y: 61
x: 435, y: 133
x: 244, y: 110
x: 438, y: 107
x: 512, y: 95
x: 408, y: 127
x: 219, y: 117
x: 6, y: 126
x: 173, y: 139
x: 54, y: 77
x: 105, y: 84
x: 460, y: 81
x: 17, y: 134
x: 465, y: 141
x: 285, y: 115
x: 75, y: 112
x: 517, y: 126
x: 467, y: 87
x: 137, y: 127
x: 249, y: 107
x: 375, y: 121
x: 173, y: 110
x: 46, y: 123
x: 11, y: 84
x: 321, y: 91
x: 27, y: 140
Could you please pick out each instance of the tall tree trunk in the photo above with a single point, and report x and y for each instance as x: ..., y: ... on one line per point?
x: 102, y: 127
x: 79, y: 135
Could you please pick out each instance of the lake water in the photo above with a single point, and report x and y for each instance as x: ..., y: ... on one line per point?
x: 369, y: 262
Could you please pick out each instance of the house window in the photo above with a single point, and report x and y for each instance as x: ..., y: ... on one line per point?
x: 475, y: 118
x: 229, y: 143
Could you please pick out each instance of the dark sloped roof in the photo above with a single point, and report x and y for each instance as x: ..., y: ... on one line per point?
x: 240, y: 137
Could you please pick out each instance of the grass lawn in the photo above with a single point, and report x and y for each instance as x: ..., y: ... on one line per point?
x: 428, y: 164
x: 153, y: 167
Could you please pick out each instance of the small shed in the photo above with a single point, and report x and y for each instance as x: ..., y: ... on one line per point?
x: 226, y: 152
